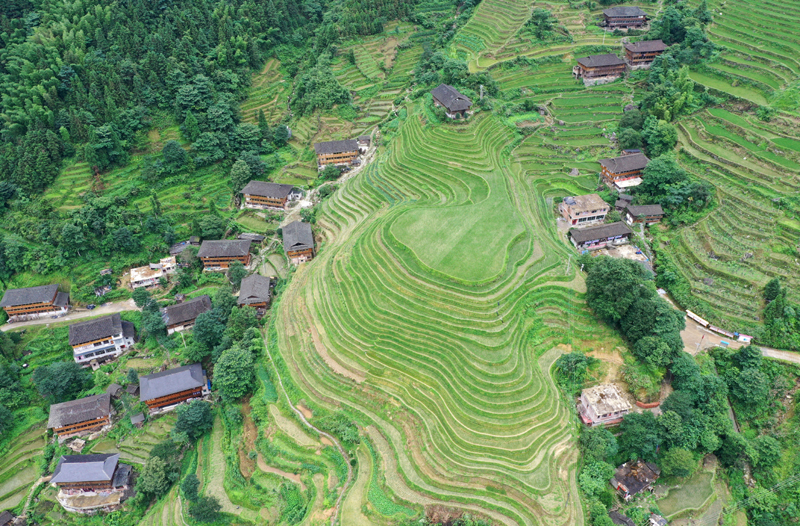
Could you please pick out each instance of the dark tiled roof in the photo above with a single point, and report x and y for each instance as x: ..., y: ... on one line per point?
x: 171, y: 381
x: 255, y: 289
x: 626, y: 163
x: 581, y: 235
x: 88, y: 331
x: 224, y: 248
x: 297, y: 236
x: 81, y: 410
x: 85, y: 468
x: 41, y: 294
x: 365, y: 138
x: 330, y: 147
x: 252, y: 237
x: 635, y: 476
x: 132, y: 389
x: 128, y: 329
x: 137, y: 419
x: 619, y: 519
x: 121, y: 476
x: 452, y: 99
x: 187, y: 311
x: 114, y: 389
x: 62, y: 299
x: 646, y: 46
x: 599, y: 61
x: 265, y: 189
x: 5, y: 518
x: 623, y: 11
x: 645, y: 210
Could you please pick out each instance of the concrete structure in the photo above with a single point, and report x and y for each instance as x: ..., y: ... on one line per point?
x: 584, y: 210
x: 262, y: 195
x: 149, y: 275
x: 218, y: 255
x: 181, y: 317
x: 454, y: 103
x: 624, y: 17
x: 88, y: 414
x: 657, y: 520
x: 640, y: 55
x: 623, y: 172
x: 364, y: 142
x: 594, y: 237
x: 647, y: 214
x: 603, y: 404
x: 633, y: 478
x: 90, y: 482
x: 599, y: 69
x: 33, y: 302
x: 101, y: 340
x: 298, y: 242
x: 338, y: 153
x: 173, y: 386
x: 256, y: 291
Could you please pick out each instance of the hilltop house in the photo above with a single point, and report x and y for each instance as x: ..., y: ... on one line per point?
x: 181, y: 317
x: 298, y: 242
x: 148, y: 275
x: 602, y: 404
x: 100, y: 340
x: 594, y: 237
x: 173, y: 386
x: 647, y: 214
x: 90, y: 482
x: 642, y: 54
x: 261, y: 195
x: 624, y: 17
x: 338, y: 153
x: 88, y: 414
x: 451, y: 100
x: 255, y: 291
x: 632, y: 478
x: 599, y: 69
x: 582, y: 210
x: 32, y: 302
x: 218, y: 255
x: 623, y: 172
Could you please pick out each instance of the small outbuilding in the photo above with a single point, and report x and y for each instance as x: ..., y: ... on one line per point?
x: 132, y: 389
x: 114, y: 390
x: 632, y: 478
x: 451, y: 100
x: 138, y: 420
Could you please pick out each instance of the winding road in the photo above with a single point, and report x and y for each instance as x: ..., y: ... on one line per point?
x: 77, y: 314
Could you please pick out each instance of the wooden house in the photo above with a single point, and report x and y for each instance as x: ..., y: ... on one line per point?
x: 598, y: 69
x: 298, y: 242
x: 256, y: 291
x: 91, y: 473
x: 451, y: 100
x: 600, y: 236
x: 647, y: 214
x: 338, y: 153
x: 260, y: 195
x: 623, y: 172
x: 181, y: 317
x: 100, y: 340
x: 624, y: 17
x: 218, y: 255
x: 584, y: 210
x: 643, y: 53
x: 78, y: 416
x: 173, y: 386
x: 632, y: 478
x: 603, y: 404
x: 33, y: 302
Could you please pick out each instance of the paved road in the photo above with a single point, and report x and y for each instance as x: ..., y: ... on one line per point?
x: 76, y: 314
x: 694, y: 334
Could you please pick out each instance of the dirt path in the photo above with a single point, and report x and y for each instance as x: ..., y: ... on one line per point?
x: 337, y: 506
x: 76, y: 314
x: 697, y: 338
x: 30, y: 495
x: 262, y: 465
x: 351, y: 509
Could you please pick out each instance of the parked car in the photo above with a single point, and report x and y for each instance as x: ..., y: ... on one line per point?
x: 92, y: 306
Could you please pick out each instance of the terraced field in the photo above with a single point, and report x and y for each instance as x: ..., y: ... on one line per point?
x: 19, y: 469
x: 762, y: 41
x: 449, y: 358
x: 269, y: 92
x: 729, y: 255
